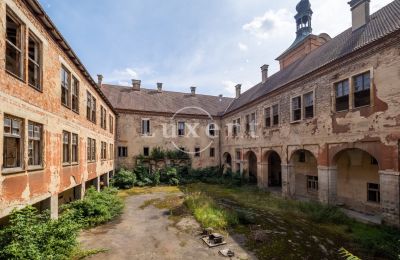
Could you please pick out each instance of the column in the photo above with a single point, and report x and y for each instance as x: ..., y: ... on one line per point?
x: 96, y: 183
x: 264, y: 174
x: 286, y: 183
x: 327, y: 180
x: 54, y: 206
x: 390, y: 197
x: 107, y: 180
x: 260, y: 177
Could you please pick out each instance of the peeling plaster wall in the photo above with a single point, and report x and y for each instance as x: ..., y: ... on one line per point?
x: 18, y: 99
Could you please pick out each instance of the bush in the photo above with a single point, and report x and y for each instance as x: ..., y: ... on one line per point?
x: 31, y: 235
x: 157, y: 154
x: 97, y: 207
x: 124, y: 179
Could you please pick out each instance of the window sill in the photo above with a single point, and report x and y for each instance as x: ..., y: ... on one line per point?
x: 15, y: 76
x: 35, y: 88
x: 9, y: 171
x: 76, y: 112
x: 91, y: 162
x: 357, y: 108
x: 35, y: 168
x: 66, y: 164
x: 296, y: 122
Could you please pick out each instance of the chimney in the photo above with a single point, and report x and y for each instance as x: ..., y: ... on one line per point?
x: 193, y: 90
x: 360, y: 13
x: 159, y: 87
x: 238, y: 90
x: 136, y: 84
x: 100, y: 80
x: 264, y: 72
x: 220, y: 97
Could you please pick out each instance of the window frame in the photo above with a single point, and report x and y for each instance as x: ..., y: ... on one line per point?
x: 273, y: 115
x: 144, y: 151
x: 40, y: 146
x: 111, y: 123
x: 20, y: 162
x: 66, y: 86
x: 68, y: 145
x: 74, y: 148
x: 211, y: 129
x: 304, y: 108
x: 38, y: 64
x: 181, y: 134
x: 197, y: 152
x: 336, y: 85
x: 122, y: 151
x: 91, y: 107
x: 212, y: 152
x: 75, y: 85
x: 91, y: 150
x: 267, y: 117
x: 377, y: 192
x: 103, y: 117
x: 19, y: 49
x: 299, y: 108
x: 312, y: 184
x: 369, y: 89
x: 103, y: 155
x: 146, y: 125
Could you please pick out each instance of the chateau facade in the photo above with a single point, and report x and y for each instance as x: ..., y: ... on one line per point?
x: 326, y: 127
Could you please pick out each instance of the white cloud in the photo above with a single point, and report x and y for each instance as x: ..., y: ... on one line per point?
x: 243, y: 47
x: 124, y: 76
x: 229, y: 87
x: 271, y: 25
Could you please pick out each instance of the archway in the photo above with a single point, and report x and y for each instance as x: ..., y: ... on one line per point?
x: 358, y: 183
x: 303, y: 175
x: 251, y: 167
x: 274, y: 170
x: 227, y: 161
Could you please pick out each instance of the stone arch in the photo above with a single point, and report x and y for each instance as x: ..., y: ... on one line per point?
x: 303, y: 174
x: 272, y: 169
x: 358, y: 180
x: 251, y: 169
x: 227, y: 161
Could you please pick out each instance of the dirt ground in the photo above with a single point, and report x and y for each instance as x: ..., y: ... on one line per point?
x: 148, y: 233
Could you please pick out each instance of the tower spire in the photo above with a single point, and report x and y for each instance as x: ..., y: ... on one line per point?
x: 303, y: 19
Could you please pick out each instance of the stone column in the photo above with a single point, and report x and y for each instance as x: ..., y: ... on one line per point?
x: 390, y: 197
x: 107, y: 180
x: 264, y: 174
x: 260, y: 177
x: 327, y: 180
x: 96, y: 183
x: 54, y: 206
x: 286, y: 180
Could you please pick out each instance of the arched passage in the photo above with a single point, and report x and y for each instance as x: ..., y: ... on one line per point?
x: 304, y: 175
x: 251, y: 158
x: 272, y: 169
x: 358, y: 183
x: 227, y: 161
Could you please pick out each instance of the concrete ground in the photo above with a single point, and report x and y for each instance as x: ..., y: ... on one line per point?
x: 148, y: 233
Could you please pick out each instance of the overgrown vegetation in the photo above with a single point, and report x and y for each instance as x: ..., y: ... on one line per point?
x: 33, y: 235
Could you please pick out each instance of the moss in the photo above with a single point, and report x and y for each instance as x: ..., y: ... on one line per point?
x: 148, y: 190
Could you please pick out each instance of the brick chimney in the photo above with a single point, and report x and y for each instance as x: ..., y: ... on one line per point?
x: 360, y: 13
x: 220, y: 97
x: 238, y: 90
x: 100, y: 80
x: 193, y: 91
x: 264, y: 72
x: 159, y: 87
x: 136, y: 84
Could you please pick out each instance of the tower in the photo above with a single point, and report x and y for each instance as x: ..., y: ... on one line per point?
x: 303, y: 19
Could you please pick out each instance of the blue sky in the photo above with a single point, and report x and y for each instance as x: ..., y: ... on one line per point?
x: 211, y: 44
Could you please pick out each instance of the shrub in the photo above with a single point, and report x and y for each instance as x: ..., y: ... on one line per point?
x: 97, y: 207
x: 143, y: 174
x: 31, y: 235
x: 124, y: 179
x: 157, y: 154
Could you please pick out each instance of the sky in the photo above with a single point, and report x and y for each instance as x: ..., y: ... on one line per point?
x: 210, y: 44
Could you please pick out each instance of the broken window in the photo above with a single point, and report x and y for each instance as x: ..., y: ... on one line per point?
x: 74, y: 150
x: 342, y: 95
x: 211, y: 129
x: 236, y: 127
x: 212, y: 152
x: 91, y: 108
x: 122, y: 151
x: 12, y: 147
x: 247, y: 123
x: 296, y: 109
x: 146, y: 151
x: 197, y: 152
x: 374, y: 194
x: 14, y: 41
x: 111, y: 119
x: 181, y: 128
x: 103, y: 117
x: 362, y: 92
x: 66, y: 146
x: 34, y: 144
x: 267, y: 113
x: 312, y: 183
x: 75, y: 95
x: 65, y: 87
x: 145, y: 126
x: 309, y: 105
x: 275, y: 115
x: 34, y: 62
x: 103, y: 150
x: 91, y: 149
x: 253, y: 123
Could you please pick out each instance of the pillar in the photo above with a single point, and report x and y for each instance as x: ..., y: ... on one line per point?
x: 286, y: 183
x: 264, y: 174
x: 107, y: 180
x: 390, y: 197
x: 260, y: 177
x: 96, y: 183
x: 327, y: 180
x: 54, y: 206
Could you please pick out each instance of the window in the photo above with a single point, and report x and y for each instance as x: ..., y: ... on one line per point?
x: 75, y: 95
x: 275, y: 115
x: 309, y: 105
x: 374, y: 194
x: 34, y: 62
x: 362, y: 93
x: 253, y: 123
x: 267, y: 113
x: 211, y: 129
x: 197, y: 152
x: 14, y: 62
x: 65, y: 87
x: 112, y: 152
x: 247, y: 123
x: 236, y: 127
x: 312, y: 183
x: 342, y: 95
x: 103, y: 117
x: 238, y: 155
x: 111, y: 119
x: 302, y: 156
x: 12, y: 147
x: 181, y: 128
x: 122, y: 151
x: 146, y: 151
x: 66, y: 147
x: 212, y: 152
x: 103, y: 150
x: 91, y: 150
x: 91, y: 108
x: 75, y: 150
x: 145, y: 126
x: 34, y: 144
x: 296, y: 109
